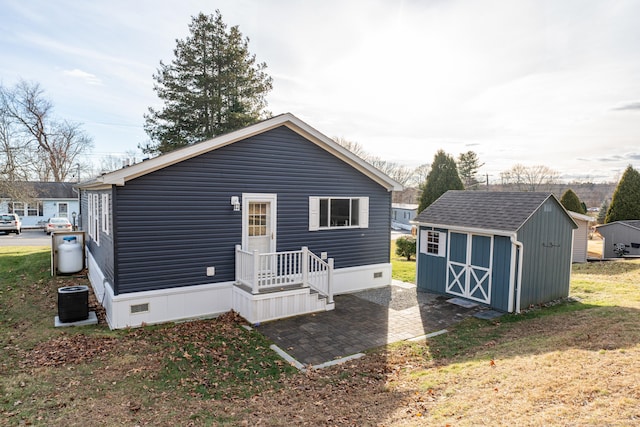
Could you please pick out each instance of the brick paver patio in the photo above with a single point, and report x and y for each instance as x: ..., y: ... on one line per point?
x: 363, y: 321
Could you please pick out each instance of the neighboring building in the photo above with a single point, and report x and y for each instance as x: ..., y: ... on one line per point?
x: 581, y: 236
x: 507, y: 250
x: 402, y: 214
x: 271, y: 220
x: 622, y: 234
x: 43, y: 200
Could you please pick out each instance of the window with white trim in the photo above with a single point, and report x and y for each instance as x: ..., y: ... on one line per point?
x: 338, y: 212
x: 90, y: 215
x: 26, y: 209
x: 432, y: 242
x: 93, y: 216
x: 18, y: 209
x: 105, y: 213
x: 96, y: 217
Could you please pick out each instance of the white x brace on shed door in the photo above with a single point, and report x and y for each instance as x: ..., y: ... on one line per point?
x: 469, y: 266
x: 259, y: 222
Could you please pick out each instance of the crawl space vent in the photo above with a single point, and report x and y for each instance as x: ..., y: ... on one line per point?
x: 139, y: 308
x: 377, y: 274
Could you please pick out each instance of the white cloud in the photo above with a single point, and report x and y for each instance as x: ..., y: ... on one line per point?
x: 88, y: 78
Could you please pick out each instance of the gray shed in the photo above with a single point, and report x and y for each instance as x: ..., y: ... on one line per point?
x: 624, y: 234
x: 506, y: 250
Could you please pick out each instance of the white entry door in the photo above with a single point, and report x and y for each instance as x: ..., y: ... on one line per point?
x: 63, y: 210
x: 259, y: 222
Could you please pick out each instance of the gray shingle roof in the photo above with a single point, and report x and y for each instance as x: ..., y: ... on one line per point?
x: 48, y: 190
x: 492, y: 210
x: 635, y: 223
x: 55, y: 190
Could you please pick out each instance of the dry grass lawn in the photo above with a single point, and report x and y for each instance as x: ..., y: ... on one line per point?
x: 567, y: 364
x: 594, y: 247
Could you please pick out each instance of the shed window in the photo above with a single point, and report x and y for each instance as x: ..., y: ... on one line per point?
x: 338, y: 212
x: 432, y: 242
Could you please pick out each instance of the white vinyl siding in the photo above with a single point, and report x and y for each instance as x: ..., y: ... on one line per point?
x: 338, y: 212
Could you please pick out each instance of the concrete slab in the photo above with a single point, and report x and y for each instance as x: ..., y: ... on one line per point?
x: 91, y: 320
x: 462, y: 302
x: 488, y: 314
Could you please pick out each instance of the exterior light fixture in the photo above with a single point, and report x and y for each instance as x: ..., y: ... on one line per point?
x: 235, y: 202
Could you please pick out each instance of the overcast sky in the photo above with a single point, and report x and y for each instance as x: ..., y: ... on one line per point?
x: 534, y: 82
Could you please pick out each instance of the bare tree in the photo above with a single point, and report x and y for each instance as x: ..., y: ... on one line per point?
x: 112, y: 162
x: 530, y: 178
x: 400, y: 173
x: 420, y: 175
x: 50, y: 147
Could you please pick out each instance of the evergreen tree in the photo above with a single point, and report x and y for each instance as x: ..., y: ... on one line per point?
x: 212, y: 86
x: 625, y: 203
x: 602, y: 213
x: 571, y: 202
x: 442, y: 177
x: 468, y: 165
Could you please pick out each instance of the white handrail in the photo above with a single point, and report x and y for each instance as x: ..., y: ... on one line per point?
x: 267, y: 271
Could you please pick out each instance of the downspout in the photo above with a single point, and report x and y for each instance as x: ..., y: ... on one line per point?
x: 518, y: 276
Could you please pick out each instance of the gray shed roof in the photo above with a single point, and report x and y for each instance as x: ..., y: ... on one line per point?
x: 490, y: 210
x: 633, y: 223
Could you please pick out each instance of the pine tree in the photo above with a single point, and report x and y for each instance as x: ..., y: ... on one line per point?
x: 468, y: 165
x: 571, y: 202
x: 212, y: 86
x: 442, y: 177
x: 625, y: 203
x: 602, y: 213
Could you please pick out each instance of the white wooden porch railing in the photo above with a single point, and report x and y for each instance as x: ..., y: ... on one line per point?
x: 263, y: 272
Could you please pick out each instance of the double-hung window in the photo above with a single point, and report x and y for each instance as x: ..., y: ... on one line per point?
x: 338, y: 212
x: 93, y: 216
x: 105, y: 213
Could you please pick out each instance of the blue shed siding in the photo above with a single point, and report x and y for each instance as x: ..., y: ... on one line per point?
x: 501, y: 273
x: 457, y: 247
x: 480, y: 250
x: 547, y: 239
x: 173, y: 223
x: 432, y: 270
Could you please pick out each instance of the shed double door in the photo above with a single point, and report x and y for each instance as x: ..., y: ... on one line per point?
x: 469, y: 266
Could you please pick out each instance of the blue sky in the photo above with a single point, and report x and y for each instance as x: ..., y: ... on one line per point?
x: 532, y: 82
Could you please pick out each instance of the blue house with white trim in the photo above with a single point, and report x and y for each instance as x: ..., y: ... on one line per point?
x: 402, y: 214
x: 271, y: 220
x: 39, y: 201
x: 505, y: 250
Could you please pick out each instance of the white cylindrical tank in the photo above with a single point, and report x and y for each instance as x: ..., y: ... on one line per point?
x: 69, y: 256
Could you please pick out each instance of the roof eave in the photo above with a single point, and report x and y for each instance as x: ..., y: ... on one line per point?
x: 121, y: 176
x: 473, y: 230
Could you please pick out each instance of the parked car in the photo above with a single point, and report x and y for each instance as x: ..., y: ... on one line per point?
x: 57, y: 224
x: 10, y: 223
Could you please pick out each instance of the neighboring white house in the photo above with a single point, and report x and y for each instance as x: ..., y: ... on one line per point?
x: 41, y: 201
x: 580, y: 236
x: 402, y: 214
